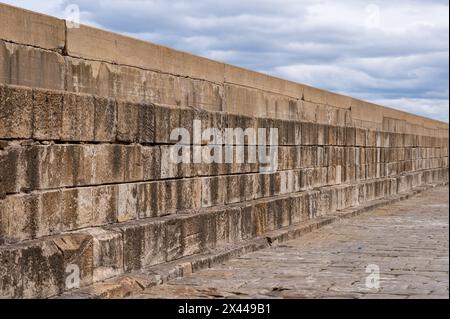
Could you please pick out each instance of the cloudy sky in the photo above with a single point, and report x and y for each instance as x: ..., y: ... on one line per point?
x: 395, y: 53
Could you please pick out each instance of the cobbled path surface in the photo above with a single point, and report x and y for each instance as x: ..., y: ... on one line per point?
x: 397, y: 251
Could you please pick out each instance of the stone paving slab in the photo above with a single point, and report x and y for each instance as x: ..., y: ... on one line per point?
x: 406, y: 241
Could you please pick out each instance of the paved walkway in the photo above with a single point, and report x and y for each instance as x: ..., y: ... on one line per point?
x: 398, y: 251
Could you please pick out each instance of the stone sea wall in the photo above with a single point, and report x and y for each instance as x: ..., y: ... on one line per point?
x: 86, y: 177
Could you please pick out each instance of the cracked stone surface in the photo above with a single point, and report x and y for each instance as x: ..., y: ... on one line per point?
x: 406, y: 241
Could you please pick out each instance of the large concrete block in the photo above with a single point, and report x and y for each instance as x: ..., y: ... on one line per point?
x: 314, y: 95
x: 264, y: 82
x: 350, y: 136
x: 325, y: 202
x: 26, y: 27
x: 168, y: 167
x: 308, y: 111
x: 245, y: 100
x: 123, y: 50
x: 31, y: 67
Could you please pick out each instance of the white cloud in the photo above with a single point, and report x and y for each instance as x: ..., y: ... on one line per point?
x: 426, y: 107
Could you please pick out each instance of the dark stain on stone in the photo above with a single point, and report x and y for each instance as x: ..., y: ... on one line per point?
x: 117, y: 160
x: 133, y: 247
x: 33, y: 158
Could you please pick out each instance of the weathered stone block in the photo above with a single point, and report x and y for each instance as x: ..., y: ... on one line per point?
x: 108, y: 164
x: 32, y: 67
x: 77, y: 211
x: 262, y: 185
x: 189, y: 192
x: 324, y: 202
x: 105, y: 204
x: 151, y: 162
x: 235, y: 189
x: 20, y: 216
x: 50, y: 213
x: 322, y: 134
x: 259, y: 217
x: 146, y: 125
x: 193, y: 234
x: 340, y: 135
x: 144, y: 244
x: 213, y: 191
x: 361, y: 138
x: 107, y: 254
x: 34, y: 270
x: 169, y: 168
x: 167, y: 198
x: 16, y: 107
x: 146, y: 200
x: 275, y: 184
x: 162, y: 124
x: 48, y: 115
x: 78, y: 253
x: 311, y: 204
x: 309, y: 134
x: 10, y: 171
x: 350, y: 136
x: 105, y: 119
x: 248, y: 228
x: 78, y: 117
x: 297, y: 209
x: 127, y: 202
x: 133, y: 166
x: 128, y: 121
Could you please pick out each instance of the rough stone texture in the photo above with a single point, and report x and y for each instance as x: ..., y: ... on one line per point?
x: 331, y: 262
x: 85, y: 169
